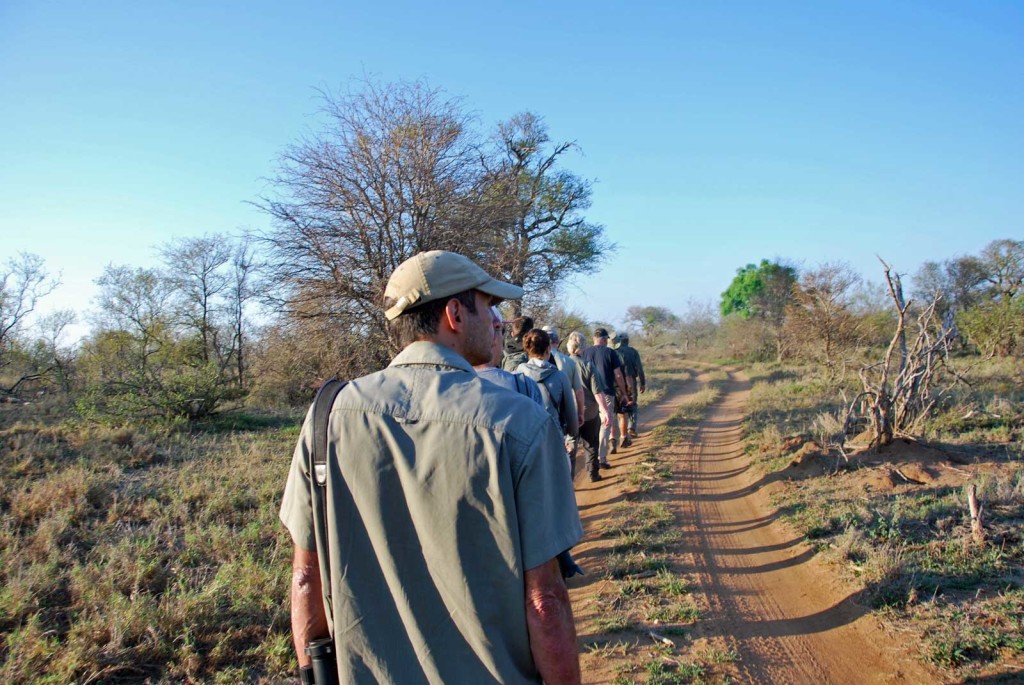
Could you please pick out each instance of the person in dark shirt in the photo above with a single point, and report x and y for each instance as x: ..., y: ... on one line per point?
x: 636, y: 383
x: 608, y: 371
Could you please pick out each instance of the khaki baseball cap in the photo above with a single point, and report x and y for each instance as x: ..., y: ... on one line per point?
x: 432, y: 275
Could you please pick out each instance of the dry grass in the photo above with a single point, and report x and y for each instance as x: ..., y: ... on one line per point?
x: 910, y: 545
x: 129, y: 555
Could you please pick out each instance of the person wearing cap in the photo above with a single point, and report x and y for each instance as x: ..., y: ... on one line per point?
x: 449, y: 499
x: 608, y: 370
x: 596, y: 412
x: 636, y: 382
x: 567, y: 365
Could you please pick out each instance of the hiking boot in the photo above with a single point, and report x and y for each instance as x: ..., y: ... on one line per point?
x: 605, y: 465
x: 613, y: 450
x: 595, y: 477
x: 626, y: 442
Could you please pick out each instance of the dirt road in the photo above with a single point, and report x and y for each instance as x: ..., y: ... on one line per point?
x: 765, y: 599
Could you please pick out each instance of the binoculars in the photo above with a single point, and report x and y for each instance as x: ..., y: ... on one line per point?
x: 324, y: 667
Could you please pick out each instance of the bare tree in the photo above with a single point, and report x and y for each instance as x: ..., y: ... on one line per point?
x: 195, y: 271
x: 698, y: 325
x: 243, y: 270
x: 819, y: 319
x: 959, y: 281
x: 53, y: 356
x: 23, y: 282
x: 541, y: 235
x: 391, y: 175
x: 1003, y: 261
x: 900, y: 390
x: 651, y: 320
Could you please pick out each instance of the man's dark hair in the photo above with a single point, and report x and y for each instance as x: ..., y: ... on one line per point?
x: 536, y: 343
x: 419, y: 323
x: 519, y: 326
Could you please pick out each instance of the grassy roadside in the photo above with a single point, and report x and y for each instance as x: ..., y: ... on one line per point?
x: 131, y: 556
x: 897, y: 522
x: 645, y: 610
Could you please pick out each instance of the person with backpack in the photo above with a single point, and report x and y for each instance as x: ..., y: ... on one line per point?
x: 596, y: 412
x: 448, y: 501
x: 554, y: 385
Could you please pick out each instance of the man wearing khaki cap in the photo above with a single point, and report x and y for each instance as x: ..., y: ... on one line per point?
x: 449, y: 499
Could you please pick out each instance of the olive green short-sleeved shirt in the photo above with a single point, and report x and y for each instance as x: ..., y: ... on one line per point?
x: 567, y: 365
x: 444, y: 489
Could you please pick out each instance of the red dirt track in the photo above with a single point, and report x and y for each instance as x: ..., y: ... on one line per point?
x: 762, y: 593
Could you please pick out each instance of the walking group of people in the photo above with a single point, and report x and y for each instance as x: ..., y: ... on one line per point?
x: 598, y: 384
x: 432, y: 540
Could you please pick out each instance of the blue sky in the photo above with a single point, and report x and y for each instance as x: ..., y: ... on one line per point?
x: 716, y: 134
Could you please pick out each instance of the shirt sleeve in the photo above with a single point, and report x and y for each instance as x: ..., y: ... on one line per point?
x: 297, y: 505
x: 549, y: 521
x: 575, y: 378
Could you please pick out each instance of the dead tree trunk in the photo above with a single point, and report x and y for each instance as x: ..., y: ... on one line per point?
x: 899, y: 390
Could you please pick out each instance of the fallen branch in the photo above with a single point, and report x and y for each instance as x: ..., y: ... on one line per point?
x: 907, y: 478
x: 977, y: 509
x: 661, y: 638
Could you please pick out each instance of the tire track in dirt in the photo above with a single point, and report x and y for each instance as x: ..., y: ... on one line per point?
x: 766, y: 595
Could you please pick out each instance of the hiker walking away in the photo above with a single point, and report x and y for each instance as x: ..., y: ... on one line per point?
x: 554, y: 386
x: 636, y: 382
x: 514, y: 354
x: 608, y: 370
x: 567, y: 365
x: 596, y: 412
x: 448, y: 500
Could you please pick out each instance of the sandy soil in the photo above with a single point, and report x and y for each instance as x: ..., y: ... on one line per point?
x: 762, y: 593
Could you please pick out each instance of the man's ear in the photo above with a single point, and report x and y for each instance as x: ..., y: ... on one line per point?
x: 453, y: 315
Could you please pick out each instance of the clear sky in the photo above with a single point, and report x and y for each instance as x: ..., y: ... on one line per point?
x: 716, y: 133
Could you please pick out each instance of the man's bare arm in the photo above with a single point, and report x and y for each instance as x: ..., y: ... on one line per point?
x: 550, y: 624
x: 309, y: 621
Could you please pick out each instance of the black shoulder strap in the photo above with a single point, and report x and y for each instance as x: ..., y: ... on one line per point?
x: 322, y: 405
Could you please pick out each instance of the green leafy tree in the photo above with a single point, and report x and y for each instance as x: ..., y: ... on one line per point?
x: 996, y: 327
x: 762, y: 292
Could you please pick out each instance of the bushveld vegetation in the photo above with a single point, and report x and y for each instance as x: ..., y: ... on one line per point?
x: 141, y: 466
x: 131, y: 555
x: 898, y: 520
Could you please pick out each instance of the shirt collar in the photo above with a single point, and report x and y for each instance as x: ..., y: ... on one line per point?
x: 426, y: 353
